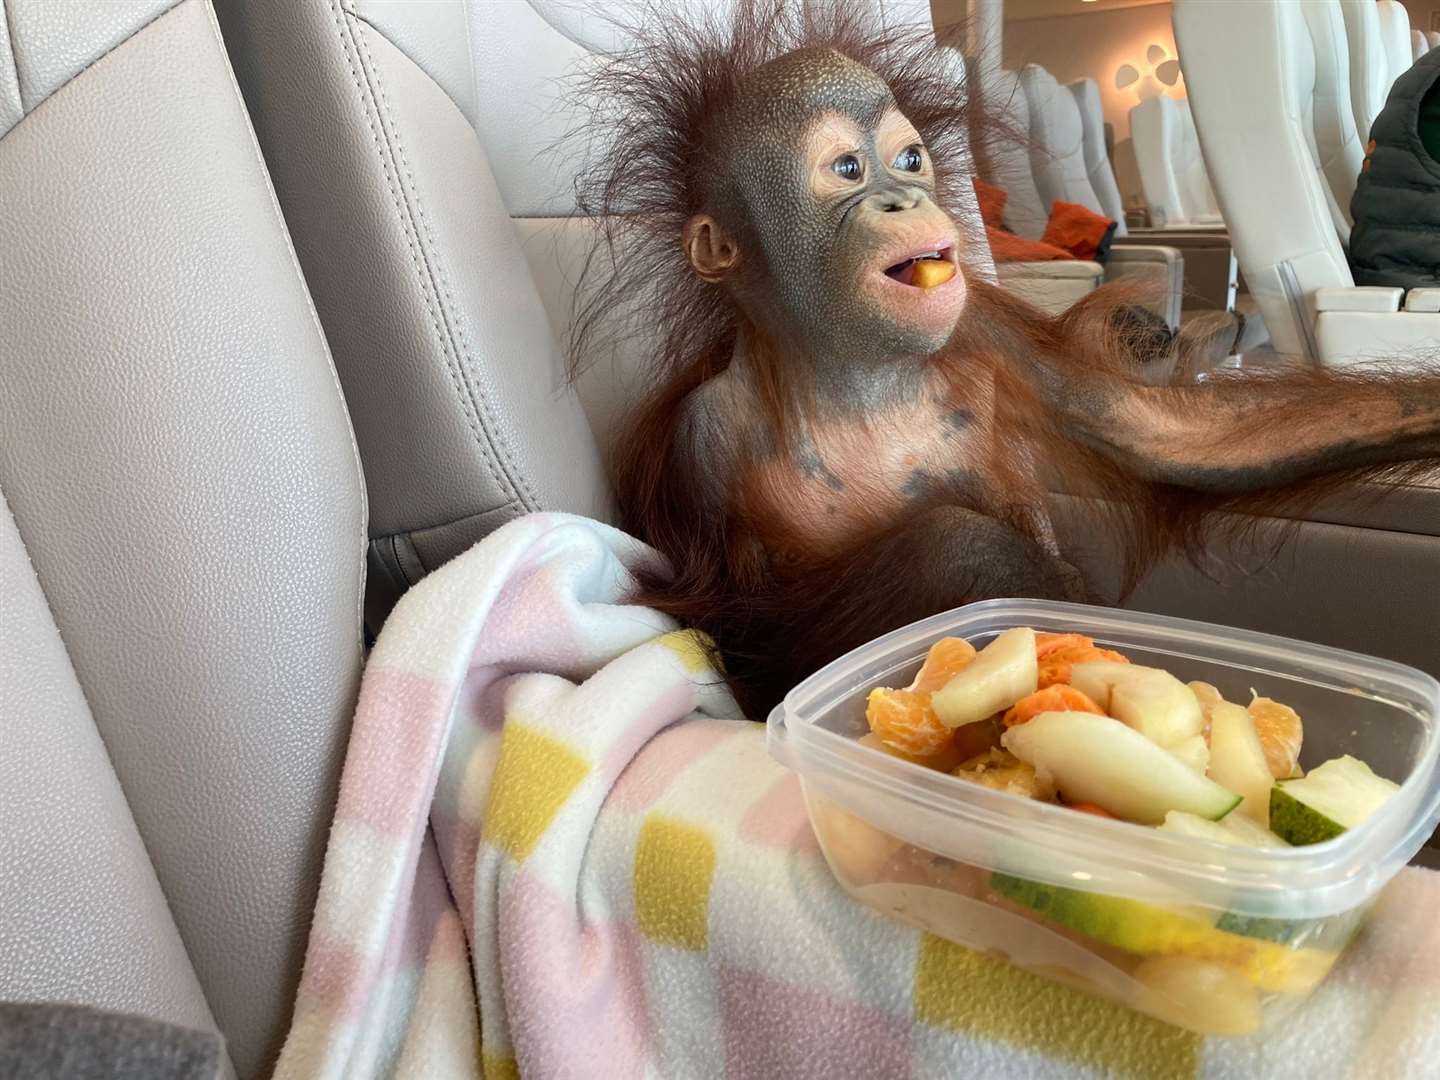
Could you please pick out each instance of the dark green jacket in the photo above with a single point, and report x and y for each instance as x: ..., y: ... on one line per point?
x: 1396, y: 238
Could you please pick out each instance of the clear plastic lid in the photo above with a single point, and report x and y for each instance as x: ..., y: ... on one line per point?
x: 1382, y: 712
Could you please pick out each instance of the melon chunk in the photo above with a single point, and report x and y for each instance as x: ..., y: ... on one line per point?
x: 1237, y: 760
x: 1000, y: 675
x: 1334, y: 797
x: 1094, y: 759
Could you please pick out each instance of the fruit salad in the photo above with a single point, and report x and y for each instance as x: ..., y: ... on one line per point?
x: 1059, y: 719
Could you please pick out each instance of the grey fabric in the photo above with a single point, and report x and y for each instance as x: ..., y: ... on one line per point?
x: 70, y: 1042
x: 1396, y: 236
x: 454, y: 381
x: 1368, y: 590
x: 177, y: 458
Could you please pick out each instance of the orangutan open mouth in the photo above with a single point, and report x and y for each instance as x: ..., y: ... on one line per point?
x: 913, y: 272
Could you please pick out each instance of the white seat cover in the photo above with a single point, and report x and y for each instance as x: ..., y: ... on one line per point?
x: 1153, y: 131
x: 1057, y: 156
x: 1097, y: 161
x: 1433, y: 37
x: 1008, y: 157
x: 1420, y: 44
x: 1339, y: 149
x: 1395, y: 33
x: 1369, y: 63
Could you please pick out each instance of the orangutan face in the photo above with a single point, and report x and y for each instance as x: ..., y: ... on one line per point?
x: 823, y: 215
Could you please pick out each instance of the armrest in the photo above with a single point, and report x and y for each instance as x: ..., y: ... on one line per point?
x: 1366, y: 323
x: 1375, y: 298
x: 1051, y: 286
x: 1122, y: 252
x: 1056, y: 269
x: 1422, y: 300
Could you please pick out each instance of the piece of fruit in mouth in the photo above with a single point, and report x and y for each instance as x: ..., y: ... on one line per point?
x: 924, y: 271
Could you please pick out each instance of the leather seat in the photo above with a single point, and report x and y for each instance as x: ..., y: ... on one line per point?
x: 1172, y: 168
x: 1395, y: 34
x: 1007, y: 159
x: 181, y: 531
x: 1419, y: 44
x: 1370, y: 76
x: 1092, y: 144
x: 367, y: 111
x: 1284, y: 177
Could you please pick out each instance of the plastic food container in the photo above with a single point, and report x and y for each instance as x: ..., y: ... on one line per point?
x: 1214, y: 938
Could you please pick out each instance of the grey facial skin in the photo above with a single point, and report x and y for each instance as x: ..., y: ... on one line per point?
x: 813, y: 253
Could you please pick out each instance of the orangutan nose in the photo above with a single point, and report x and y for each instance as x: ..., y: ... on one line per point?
x: 897, y: 198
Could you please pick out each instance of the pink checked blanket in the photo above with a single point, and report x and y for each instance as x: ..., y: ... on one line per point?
x: 558, y: 852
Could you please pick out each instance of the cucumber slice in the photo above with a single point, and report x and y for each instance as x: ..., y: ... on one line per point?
x: 1233, y: 829
x: 1098, y: 760
x: 1237, y: 760
x: 1148, y: 930
x: 1001, y: 674
x: 1332, y: 798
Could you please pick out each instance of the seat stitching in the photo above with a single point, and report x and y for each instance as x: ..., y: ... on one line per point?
x: 367, y: 106
x: 360, y: 16
x: 27, y: 113
x: 518, y: 482
x: 14, y: 56
x: 310, y: 306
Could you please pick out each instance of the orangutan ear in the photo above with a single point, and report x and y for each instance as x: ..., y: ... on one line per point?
x: 711, y: 251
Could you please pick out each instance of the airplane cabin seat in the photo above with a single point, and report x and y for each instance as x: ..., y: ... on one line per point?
x: 1278, y: 65
x: 367, y: 111
x: 1419, y: 44
x: 1092, y: 140
x: 1370, y: 77
x: 1057, y: 159
x: 182, y: 523
x: 1395, y: 34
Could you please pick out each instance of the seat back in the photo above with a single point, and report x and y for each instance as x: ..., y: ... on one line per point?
x: 1432, y: 38
x: 1370, y: 76
x: 369, y: 112
x: 1007, y: 157
x: 1339, y: 149
x: 1257, y: 60
x: 1395, y: 34
x: 181, y: 532
x: 1155, y: 133
x: 1097, y: 160
x: 1419, y: 44
x: 1057, y: 134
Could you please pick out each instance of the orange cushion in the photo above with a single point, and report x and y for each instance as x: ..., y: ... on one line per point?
x: 1006, y: 246
x: 992, y: 203
x: 1079, y: 230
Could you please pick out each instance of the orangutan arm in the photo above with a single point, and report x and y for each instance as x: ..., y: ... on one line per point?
x: 1237, y: 435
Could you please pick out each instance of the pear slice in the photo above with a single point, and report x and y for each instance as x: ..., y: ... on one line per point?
x: 1001, y: 674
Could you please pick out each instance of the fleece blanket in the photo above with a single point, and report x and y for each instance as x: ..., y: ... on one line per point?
x: 558, y: 852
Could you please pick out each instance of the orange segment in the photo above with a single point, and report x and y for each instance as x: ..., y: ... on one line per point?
x: 946, y: 659
x: 1048, y: 643
x: 1057, y: 698
x: 1091, y: 808
x: 945, y: 760
x: 1055, y: 666
x: 1281, y: 733
x: 904, y: 721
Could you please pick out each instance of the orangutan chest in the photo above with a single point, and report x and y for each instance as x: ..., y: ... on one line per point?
x: 846, y: 480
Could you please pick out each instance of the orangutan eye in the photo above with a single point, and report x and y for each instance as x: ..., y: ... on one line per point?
x: 848, y: 167
x: 911, y: 159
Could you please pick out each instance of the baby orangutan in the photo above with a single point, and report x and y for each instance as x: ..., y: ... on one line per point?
x: 849, y: 428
